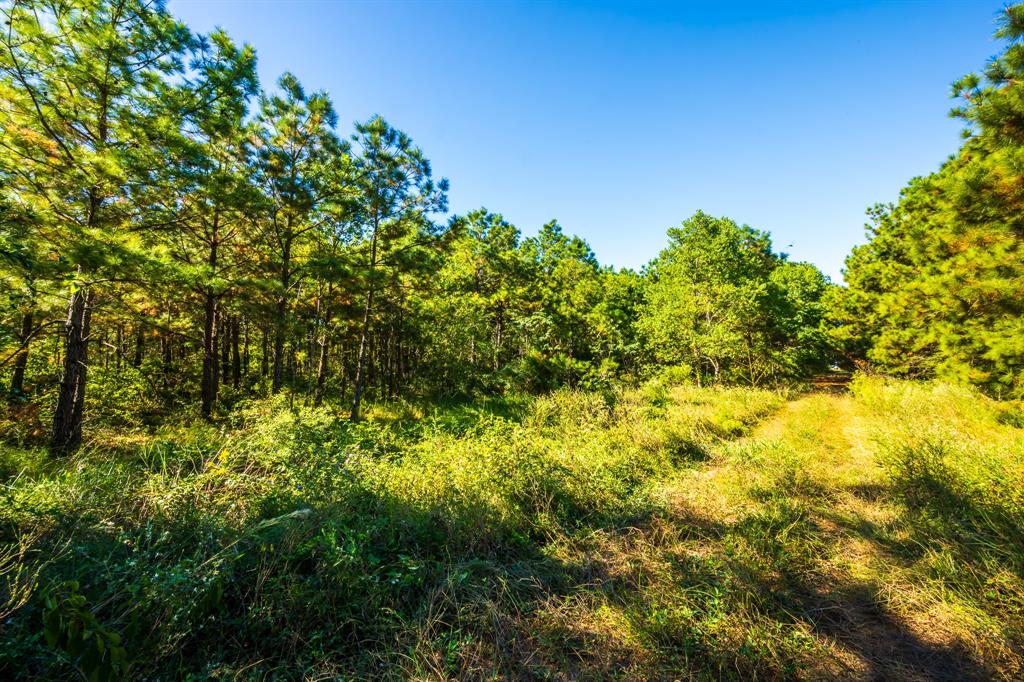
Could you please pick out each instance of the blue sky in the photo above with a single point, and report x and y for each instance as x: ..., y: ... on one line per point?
x: 621, y: 119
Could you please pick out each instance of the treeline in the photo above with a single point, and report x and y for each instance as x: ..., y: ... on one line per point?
x: 938, y: 291
x: 175, y: 238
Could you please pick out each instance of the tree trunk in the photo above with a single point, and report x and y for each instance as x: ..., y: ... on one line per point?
x: 120, y: 347
x: 499, y: 328
x: 399, y: 348
x: 67, y: 419
x: 382, y: 368
x: 208, y: 383
x: 343, y: 369
x: 166, y: 357
x: 245, y: 351
x: 281, y: 316
x: 215, y: 360
x: 278, y: 375
x: 392, y: 357
x: 363, y: 336
x: 225, y: 348
x: 265, y: 359
x: 21, y: 361
x: 321, y: 366
x: 208, y: 388
x: 361, y: 356
x: 236, y: 357
x: 292, y: 363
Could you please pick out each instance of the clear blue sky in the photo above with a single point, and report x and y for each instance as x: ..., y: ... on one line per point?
x: 621, y: 119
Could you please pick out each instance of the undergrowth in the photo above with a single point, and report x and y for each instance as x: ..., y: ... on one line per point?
x: 420, y: 542
x: 662, y: 533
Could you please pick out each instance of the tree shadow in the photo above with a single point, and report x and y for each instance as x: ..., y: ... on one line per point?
x: 787, y: 584
x: 851, y: 614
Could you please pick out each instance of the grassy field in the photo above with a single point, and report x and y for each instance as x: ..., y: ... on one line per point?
x: 667, y: 532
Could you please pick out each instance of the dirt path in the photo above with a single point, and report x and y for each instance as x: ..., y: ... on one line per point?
x: 804, y: 515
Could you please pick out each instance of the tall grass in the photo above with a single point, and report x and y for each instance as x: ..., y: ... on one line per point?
x: 415, y: 543
x: 956, y: 460
x: 951, y: 450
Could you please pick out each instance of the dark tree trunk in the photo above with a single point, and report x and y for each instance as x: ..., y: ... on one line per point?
x: 360, y: 379
x: 383, y: 390
x: 321, y: 366
x: 308, y: 366
x: 400, y: 368
x: 225, y: 349
x: 166, y: 358
x: 215, y: 360
x: 236, y: 357
x: 120, y: 347
x: 265, y: 359
x: 67, y: 419
x: 361, y: 357
x: 282, y: 314
x: 343, y: 366
x: 321, y: 373
x: 499, y: 327
x: 279, y: 359
x: 208, y: 383
x: 21, y: 361
x: 208, y: 388
x: 245, y: 351
x: 393, y: 363
x: 291, y: 364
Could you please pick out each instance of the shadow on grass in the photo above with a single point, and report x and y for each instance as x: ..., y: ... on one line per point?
x: 851, y: 614
x: 766, y: 566
x: 368, y: 586
x: 342, y: 580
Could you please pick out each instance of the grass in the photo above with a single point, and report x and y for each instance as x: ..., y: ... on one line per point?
x: 419, y: 542
x: 658, y: 533
x: 860, y: 549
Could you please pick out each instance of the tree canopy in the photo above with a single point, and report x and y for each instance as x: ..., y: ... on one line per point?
x: 177, y: 236
x: 938, y: 290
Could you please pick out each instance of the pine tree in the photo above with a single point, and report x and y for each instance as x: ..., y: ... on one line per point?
x: 77, y: 80
x: 397, y: 196
x: 300, y: 164
x: 209, y: 200
x: 938, y: 290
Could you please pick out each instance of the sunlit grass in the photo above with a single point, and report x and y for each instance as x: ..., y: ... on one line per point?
x: 653, y: 533
x: 292, y: 534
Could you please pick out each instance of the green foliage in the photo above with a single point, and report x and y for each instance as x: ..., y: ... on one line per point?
x: 534, y: 314
x: 720, y: 302
x: 959, y: 469
x: 301, y: 524
x: 71, y: 627
x: 506, y: 495
x: 953, y: 453
x: 936, y: 292
x: 215, y: 242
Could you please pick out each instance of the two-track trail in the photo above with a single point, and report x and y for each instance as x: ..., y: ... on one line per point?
x: 802, y: 515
